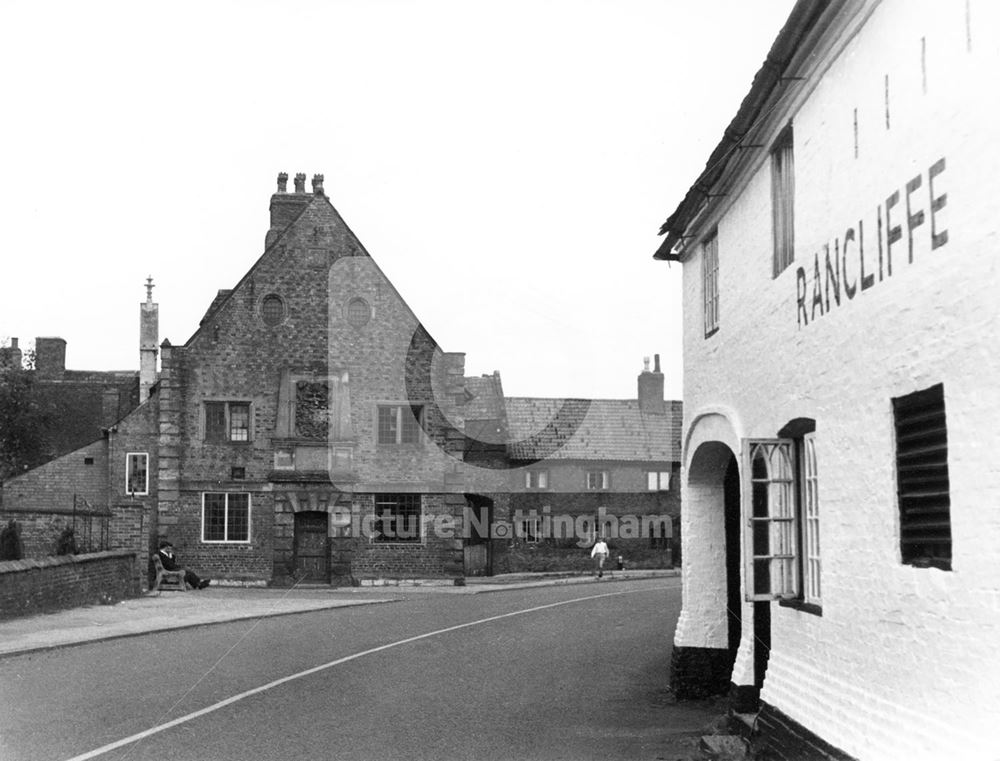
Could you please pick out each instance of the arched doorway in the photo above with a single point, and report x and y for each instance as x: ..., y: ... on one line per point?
x: 711, y: 625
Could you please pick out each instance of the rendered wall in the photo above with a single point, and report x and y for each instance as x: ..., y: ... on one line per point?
x: 902, y: 662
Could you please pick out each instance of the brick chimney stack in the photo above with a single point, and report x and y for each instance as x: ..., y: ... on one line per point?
x: 50, y: 358
x: 10, y: 356
x: 285, y: 207
x: 651, y: 389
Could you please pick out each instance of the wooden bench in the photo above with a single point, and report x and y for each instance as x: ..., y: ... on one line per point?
x: 167, y: 580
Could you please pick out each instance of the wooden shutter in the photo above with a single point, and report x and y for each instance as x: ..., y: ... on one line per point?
x: 922, y: 478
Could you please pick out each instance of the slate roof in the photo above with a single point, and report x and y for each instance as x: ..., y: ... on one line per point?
x: 591, y: 429
x: 81, y: 404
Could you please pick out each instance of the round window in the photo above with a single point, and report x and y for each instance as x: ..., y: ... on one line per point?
x: 358, y: 312
x: 272, y: 310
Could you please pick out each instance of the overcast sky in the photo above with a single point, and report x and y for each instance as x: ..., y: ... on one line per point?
x: 507, y: 164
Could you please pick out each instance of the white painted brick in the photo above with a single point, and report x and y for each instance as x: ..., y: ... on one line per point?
x: 902, y: 663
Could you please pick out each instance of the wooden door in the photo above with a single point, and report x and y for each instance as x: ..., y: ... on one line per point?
x: 312, y: 547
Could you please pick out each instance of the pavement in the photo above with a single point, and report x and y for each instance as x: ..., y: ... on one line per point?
x: 162, y: 611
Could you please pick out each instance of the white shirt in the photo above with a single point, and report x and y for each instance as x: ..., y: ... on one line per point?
x: 600, y: 548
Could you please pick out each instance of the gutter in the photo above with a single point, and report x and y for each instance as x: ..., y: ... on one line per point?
x: 766, y: 81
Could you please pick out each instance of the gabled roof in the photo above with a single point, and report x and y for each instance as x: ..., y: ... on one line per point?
x: 757, y: 104
x: 597, y: 429
x: 484, y: 398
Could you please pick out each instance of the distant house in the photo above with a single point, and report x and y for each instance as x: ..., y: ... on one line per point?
x: 840, y: 420
x: 575, y: 469
x: 79, y: 403
x: 66, y: 486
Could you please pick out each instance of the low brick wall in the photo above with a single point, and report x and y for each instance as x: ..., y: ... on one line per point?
x: 68, y: 581
x: 521, y: 557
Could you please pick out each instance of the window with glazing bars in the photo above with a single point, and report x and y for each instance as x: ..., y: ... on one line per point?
x: 783, y: 202
x: 771, y: 552
x: 225, y: 517
x: 710, y: 283
x: 922, y: 478
x: 397, y: 518
x: 137, y: 473
x: 227, y: 421
x: 399, y: 423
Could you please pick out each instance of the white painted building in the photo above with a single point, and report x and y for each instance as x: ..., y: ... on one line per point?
x: 841, y: 492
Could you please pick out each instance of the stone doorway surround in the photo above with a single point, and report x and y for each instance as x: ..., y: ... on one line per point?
x: 311, y: 499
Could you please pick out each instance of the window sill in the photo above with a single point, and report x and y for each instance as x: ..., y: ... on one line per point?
x: 711, y: 333
x: 802, y: 606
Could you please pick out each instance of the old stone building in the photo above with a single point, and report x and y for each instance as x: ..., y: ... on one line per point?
x: 840, y: 417
x: 311, y: 431
x: 302, y: 427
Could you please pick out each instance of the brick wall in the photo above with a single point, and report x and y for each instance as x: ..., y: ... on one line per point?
x: 894, y: 667
x: 36, y: 586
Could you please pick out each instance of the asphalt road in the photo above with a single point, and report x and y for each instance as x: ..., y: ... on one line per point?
x: 568, y: 672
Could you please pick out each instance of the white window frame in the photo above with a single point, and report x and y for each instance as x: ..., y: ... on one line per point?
x: 128, y: 474
x: 811, y: 564
x: 605, y: 480
x: 790, y: 520
x: 774, y: 523
x: 225, y: 521
x: 710, y: 283
x: 658, y: 480
x: 536, y: 478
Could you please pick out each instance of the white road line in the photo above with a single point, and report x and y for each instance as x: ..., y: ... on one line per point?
x: 316, y: 669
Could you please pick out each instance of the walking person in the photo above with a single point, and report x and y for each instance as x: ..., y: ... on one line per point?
x: 600, y: 554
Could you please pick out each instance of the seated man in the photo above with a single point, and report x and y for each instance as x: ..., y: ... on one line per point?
x: 169, y: 560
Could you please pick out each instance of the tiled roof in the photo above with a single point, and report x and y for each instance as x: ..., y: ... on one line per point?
x: 82, y: 404
x: 596, y: 429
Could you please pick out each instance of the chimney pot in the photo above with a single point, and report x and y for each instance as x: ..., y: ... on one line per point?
x: 645, y: 364
x: 283, y: 182
x: 317, y: 184
x: 13, y: 343
x: 656, y: 363
x: 300, y: 183
x: 651, y: 399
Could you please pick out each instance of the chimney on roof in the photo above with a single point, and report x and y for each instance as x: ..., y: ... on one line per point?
x: 285, y: 207
x: 651, y: 388
x: 149, y: 331
x: 317, y: 184
x: 50, y: 358
x: 10, y: 356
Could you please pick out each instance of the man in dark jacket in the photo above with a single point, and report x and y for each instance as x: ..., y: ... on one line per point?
x: 169, y: 560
